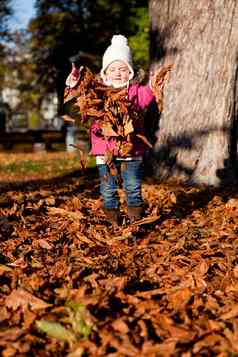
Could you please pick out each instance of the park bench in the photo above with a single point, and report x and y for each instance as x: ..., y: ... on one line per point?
x: 46, y: 137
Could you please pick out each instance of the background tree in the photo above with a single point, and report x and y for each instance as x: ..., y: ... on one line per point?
x: 198, y: 127
x: 139, y: 38
x: 5, y: 13
x: 20, y: 73
x: 63, y: 28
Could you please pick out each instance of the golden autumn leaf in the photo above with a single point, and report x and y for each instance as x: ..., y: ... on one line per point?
x: 20, y: 297
x: 107, y: 130
x: 125, y: 149
x: 158, y: 82
x: 128, y: 127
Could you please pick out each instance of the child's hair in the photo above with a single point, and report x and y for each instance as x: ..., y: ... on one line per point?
x: 117, y: 51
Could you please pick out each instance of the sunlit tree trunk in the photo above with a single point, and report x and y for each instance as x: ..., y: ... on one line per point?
x: 197, y: 139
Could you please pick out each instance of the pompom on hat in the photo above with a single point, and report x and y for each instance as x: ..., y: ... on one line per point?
x: 117, y: 51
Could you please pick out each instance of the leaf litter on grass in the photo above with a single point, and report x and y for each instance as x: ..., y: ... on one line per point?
x: 72, y: 285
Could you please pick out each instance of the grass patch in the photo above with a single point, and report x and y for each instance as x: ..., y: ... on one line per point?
x: 23, y: 167
x: 41, y: 165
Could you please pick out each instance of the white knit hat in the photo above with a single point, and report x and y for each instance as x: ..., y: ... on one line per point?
x: 117, y: 51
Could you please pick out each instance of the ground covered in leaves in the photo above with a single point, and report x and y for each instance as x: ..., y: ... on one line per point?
x: 72, y: 285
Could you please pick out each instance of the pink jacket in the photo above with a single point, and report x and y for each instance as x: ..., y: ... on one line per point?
x: 141, y: 97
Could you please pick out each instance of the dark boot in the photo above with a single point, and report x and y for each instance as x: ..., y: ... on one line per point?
x: 135, y: 213
x: 112, y: 214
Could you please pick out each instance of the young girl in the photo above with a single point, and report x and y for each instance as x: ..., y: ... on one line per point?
x: 117, y: 71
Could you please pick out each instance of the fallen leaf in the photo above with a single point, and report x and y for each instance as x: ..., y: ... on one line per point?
x: 20, y: 297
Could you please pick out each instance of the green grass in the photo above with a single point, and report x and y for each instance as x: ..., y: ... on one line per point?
x: 23, y: 167
x: 51, y: 166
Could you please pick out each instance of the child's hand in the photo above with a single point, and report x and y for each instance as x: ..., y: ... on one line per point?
x: 75, y: 72
x: 157, y: 81
x: 155, y: 78
x: 74, y: 76
x: 152, y: 78
x: 159, y: 76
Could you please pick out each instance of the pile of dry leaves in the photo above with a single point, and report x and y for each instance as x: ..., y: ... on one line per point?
x: 116, y: 117
x: 71, y: 285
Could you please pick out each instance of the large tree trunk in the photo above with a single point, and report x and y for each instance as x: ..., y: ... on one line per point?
x: 198, y: 126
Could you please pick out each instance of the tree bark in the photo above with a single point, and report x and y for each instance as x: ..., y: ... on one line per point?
x: 197, y: 136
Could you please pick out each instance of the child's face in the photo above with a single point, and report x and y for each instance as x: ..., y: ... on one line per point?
x: 117, y: 73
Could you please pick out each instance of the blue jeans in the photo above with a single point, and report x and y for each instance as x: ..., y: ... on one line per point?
x: 131, y: 174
